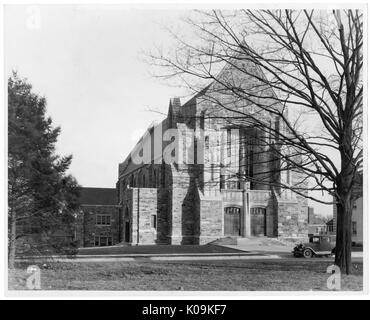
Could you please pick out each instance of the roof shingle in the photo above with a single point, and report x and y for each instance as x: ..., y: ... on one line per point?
x: 98, y: 196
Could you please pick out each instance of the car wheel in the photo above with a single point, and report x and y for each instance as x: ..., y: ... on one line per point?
x: 307, y: 253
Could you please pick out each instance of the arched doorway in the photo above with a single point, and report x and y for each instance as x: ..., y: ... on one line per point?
x: 127, y: 225
x: 232, y: 221
x: 127, y: 231
x: 258, y: 221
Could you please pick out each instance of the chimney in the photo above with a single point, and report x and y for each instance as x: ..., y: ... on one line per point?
x: 176, y: 103
x: 175, y: 107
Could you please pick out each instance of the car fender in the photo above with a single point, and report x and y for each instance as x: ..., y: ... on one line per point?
x: 314, y: 252
x: 318, y: 253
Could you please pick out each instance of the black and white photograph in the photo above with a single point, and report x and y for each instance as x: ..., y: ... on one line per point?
x: 185, y: 149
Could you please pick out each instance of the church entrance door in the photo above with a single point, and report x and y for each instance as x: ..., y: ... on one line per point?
x: 127, y: 231
x: 258, y: 221
x: 232, y: 221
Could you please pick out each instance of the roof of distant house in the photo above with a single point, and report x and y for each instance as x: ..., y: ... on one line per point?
x: 98, y: 196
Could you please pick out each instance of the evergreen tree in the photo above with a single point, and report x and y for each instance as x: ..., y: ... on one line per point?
x: 42, y: 198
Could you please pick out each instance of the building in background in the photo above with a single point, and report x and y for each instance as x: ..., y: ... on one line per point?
x: 311, y: 215
x: 357, y: 214
x: 98, y: 220
x: 330, y: 226
x: 316, y: 223
x: 357, y: 221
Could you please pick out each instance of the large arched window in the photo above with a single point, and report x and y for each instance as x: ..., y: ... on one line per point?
x: 163, y: 176
x: 132, y: 182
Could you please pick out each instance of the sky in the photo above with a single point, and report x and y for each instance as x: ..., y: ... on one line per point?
x: 88, y: 63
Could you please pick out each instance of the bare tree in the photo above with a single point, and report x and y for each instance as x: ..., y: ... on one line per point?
x: 302, y: 68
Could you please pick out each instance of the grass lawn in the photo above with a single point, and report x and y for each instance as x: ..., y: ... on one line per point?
x: 246, y: 275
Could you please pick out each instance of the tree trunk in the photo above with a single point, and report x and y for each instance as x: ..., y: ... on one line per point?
x: 344, y: 198
x: 343, y: 246
x: 12, y: 239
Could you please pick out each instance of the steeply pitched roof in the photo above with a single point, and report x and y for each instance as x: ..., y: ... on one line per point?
x: 198, y: 94
x: 98, y: 196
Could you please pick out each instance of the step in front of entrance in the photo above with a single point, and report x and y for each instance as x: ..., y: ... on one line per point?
x: 227, y: 241
x: 235, y: 240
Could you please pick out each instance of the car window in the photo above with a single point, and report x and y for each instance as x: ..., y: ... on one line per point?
x: 316, y: 240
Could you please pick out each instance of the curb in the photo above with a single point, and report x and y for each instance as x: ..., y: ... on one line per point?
x: 143, y: 255
x: 127, y: 258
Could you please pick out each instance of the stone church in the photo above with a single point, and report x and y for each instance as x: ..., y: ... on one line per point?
x: 203, y: 174
x: 219, y: 185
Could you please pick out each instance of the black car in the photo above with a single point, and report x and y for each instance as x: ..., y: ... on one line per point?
x: 318, y: 245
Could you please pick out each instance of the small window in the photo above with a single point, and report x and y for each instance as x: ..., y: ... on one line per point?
x: 206, y: 142
x: 228, y: 142
x: 354, y: 228
x: 103, y: 219
x: 222, y: 182
x: 212, y: 171
x: 98, y: 219
x: 288, y: 177
x: 202, y: 118
x: 153, y: 221
x: 195, y: 150
x: 103, y: 241
x: 184, y: 148
x: 316, y: 240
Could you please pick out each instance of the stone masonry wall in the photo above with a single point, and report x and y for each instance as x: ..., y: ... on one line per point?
x: 271, y: 219
x: 184, y: 216
x: 211, y: 220
x: 302, y: 216
x: 288, y: 219
x: 291, y: 222
x: 147, y: 202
